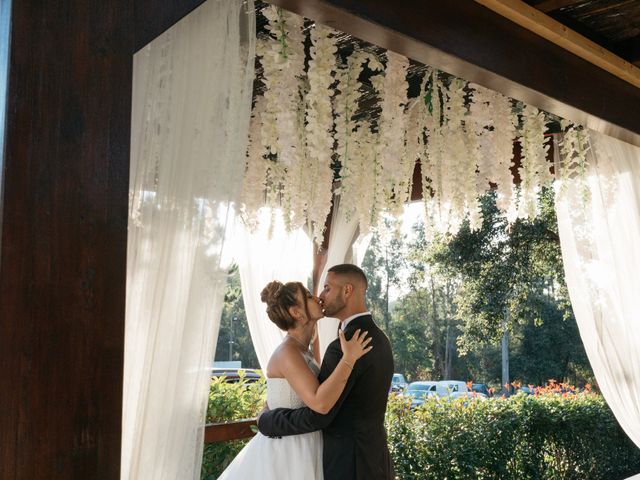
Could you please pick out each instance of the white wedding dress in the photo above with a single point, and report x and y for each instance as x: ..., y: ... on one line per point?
x: 294, y: 457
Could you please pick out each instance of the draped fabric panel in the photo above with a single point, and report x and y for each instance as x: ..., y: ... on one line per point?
x: 269, y: 253
x: 599, y: 225
x: 192, y: 90
x: 346, y: 245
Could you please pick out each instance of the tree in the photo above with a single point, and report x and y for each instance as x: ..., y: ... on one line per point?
x: 435, y: 288
x: 513, y: 272
x: 382, y: 264
x: 412, y: 341
x: 234, y: 317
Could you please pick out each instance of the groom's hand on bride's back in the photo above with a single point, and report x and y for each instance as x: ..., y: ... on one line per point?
x: 265, y: 409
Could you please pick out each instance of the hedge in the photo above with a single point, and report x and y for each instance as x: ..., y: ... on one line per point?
x: 229, y: 401
x: 524, y: 437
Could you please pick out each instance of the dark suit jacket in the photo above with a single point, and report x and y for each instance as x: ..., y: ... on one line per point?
x: 355, y: 440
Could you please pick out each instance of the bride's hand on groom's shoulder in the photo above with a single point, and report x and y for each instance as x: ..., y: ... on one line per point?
x: 355, y: 348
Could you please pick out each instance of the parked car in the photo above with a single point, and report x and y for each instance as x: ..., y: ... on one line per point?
x: 447, y: 387
x: 471, y: 394
x: 467, y: 396
x: 398, y: 383
x: 481, y: 388
x: 420, y: 391
x: 233, y: 375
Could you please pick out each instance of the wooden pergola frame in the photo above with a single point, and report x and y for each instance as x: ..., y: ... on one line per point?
x: 65, y: 131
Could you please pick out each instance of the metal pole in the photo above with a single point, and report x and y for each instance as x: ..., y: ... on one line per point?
x: 505, y: 353
x: 231, y: 338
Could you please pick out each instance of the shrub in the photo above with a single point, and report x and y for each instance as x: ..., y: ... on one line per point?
x: 229, y: 401
x: 524, y: 437
x: 545, y: 437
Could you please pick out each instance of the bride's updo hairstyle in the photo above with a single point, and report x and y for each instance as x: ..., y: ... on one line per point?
x: 279, y: 298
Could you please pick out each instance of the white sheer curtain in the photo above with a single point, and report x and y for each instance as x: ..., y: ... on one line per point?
x: 192, y: 92
x: 599, y: 225
x: 346, y: 245
x: 269, y: 253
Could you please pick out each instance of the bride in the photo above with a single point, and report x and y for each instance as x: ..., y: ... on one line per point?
x: 292, y: 383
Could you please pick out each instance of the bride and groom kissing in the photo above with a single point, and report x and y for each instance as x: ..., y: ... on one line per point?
x: 322, y: 422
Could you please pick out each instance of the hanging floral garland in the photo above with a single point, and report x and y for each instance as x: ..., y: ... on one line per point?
x: 462, y: 136
x: 319, y: 127
x: 534, y: 170
x: 574, y: 145
x: 359, y: 169
x: 391, y: 128
x: 432, y: 164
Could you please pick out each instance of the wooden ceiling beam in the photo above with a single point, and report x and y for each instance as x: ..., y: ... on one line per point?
x: 553, y: 5
x: 153, y: 17
x: 554, y: 31
x: 629, y: 49
x: 473, y: 42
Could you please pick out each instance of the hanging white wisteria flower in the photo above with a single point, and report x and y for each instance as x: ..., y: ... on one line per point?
x: 500, y: 149
x: 255, y: 177
x: 319, y: 126
x: 534, y: 170
x: 288, y: 51
x: 432, y: 159
x: 361, y: 192
x: 391, y: 125
x: 480, y: 127
x: 346, y: 103
x: 458, y: 171
x: 574, y: 145
x: 462, y: 135
x: 413, y: 151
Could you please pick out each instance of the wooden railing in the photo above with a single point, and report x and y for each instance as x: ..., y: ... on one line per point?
x: 235, y: 430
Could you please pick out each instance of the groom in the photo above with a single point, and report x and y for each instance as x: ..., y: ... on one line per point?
x: 355, y: 440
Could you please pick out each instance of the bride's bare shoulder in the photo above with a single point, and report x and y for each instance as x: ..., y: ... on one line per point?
x: 283, y: 354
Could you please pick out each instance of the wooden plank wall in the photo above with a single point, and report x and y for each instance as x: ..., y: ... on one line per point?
x: 64, y: 222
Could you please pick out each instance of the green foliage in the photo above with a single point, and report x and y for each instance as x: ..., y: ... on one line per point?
x: 234, y: 317
x: 229, y: 401
x: 504, y: 270
x: 411, y: 339
x: 465, y: 289
x: 549, y: 437
x: 382, y: 264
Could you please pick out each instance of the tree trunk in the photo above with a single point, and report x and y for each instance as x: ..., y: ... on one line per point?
x: 437, y: 360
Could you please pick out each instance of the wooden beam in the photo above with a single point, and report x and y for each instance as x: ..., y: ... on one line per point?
x: 629, y: 49
x: 552, y: 30
x: 473, y: 42
x: 64, y: 238
x: 553, y: 5
x: 153, y: 17
x: 235, y: 430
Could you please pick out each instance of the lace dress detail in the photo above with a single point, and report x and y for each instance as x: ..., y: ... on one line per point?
x: 279, y: 392
x: 295, y: 457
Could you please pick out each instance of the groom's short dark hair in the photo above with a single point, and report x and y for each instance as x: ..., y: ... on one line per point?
x: 352, y: 271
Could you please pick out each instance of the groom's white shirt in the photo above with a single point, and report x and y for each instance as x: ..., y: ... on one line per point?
x: 348, y: 319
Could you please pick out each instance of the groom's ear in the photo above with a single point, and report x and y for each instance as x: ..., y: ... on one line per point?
x: 348, y: 289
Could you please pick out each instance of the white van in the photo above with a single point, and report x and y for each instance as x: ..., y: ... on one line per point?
x: 446, y: 387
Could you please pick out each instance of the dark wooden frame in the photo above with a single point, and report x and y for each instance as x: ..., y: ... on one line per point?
x: 223, y: 432
x: 65, y: 168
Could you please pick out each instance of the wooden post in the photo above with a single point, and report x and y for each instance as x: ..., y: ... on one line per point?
x: 64, y: 238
